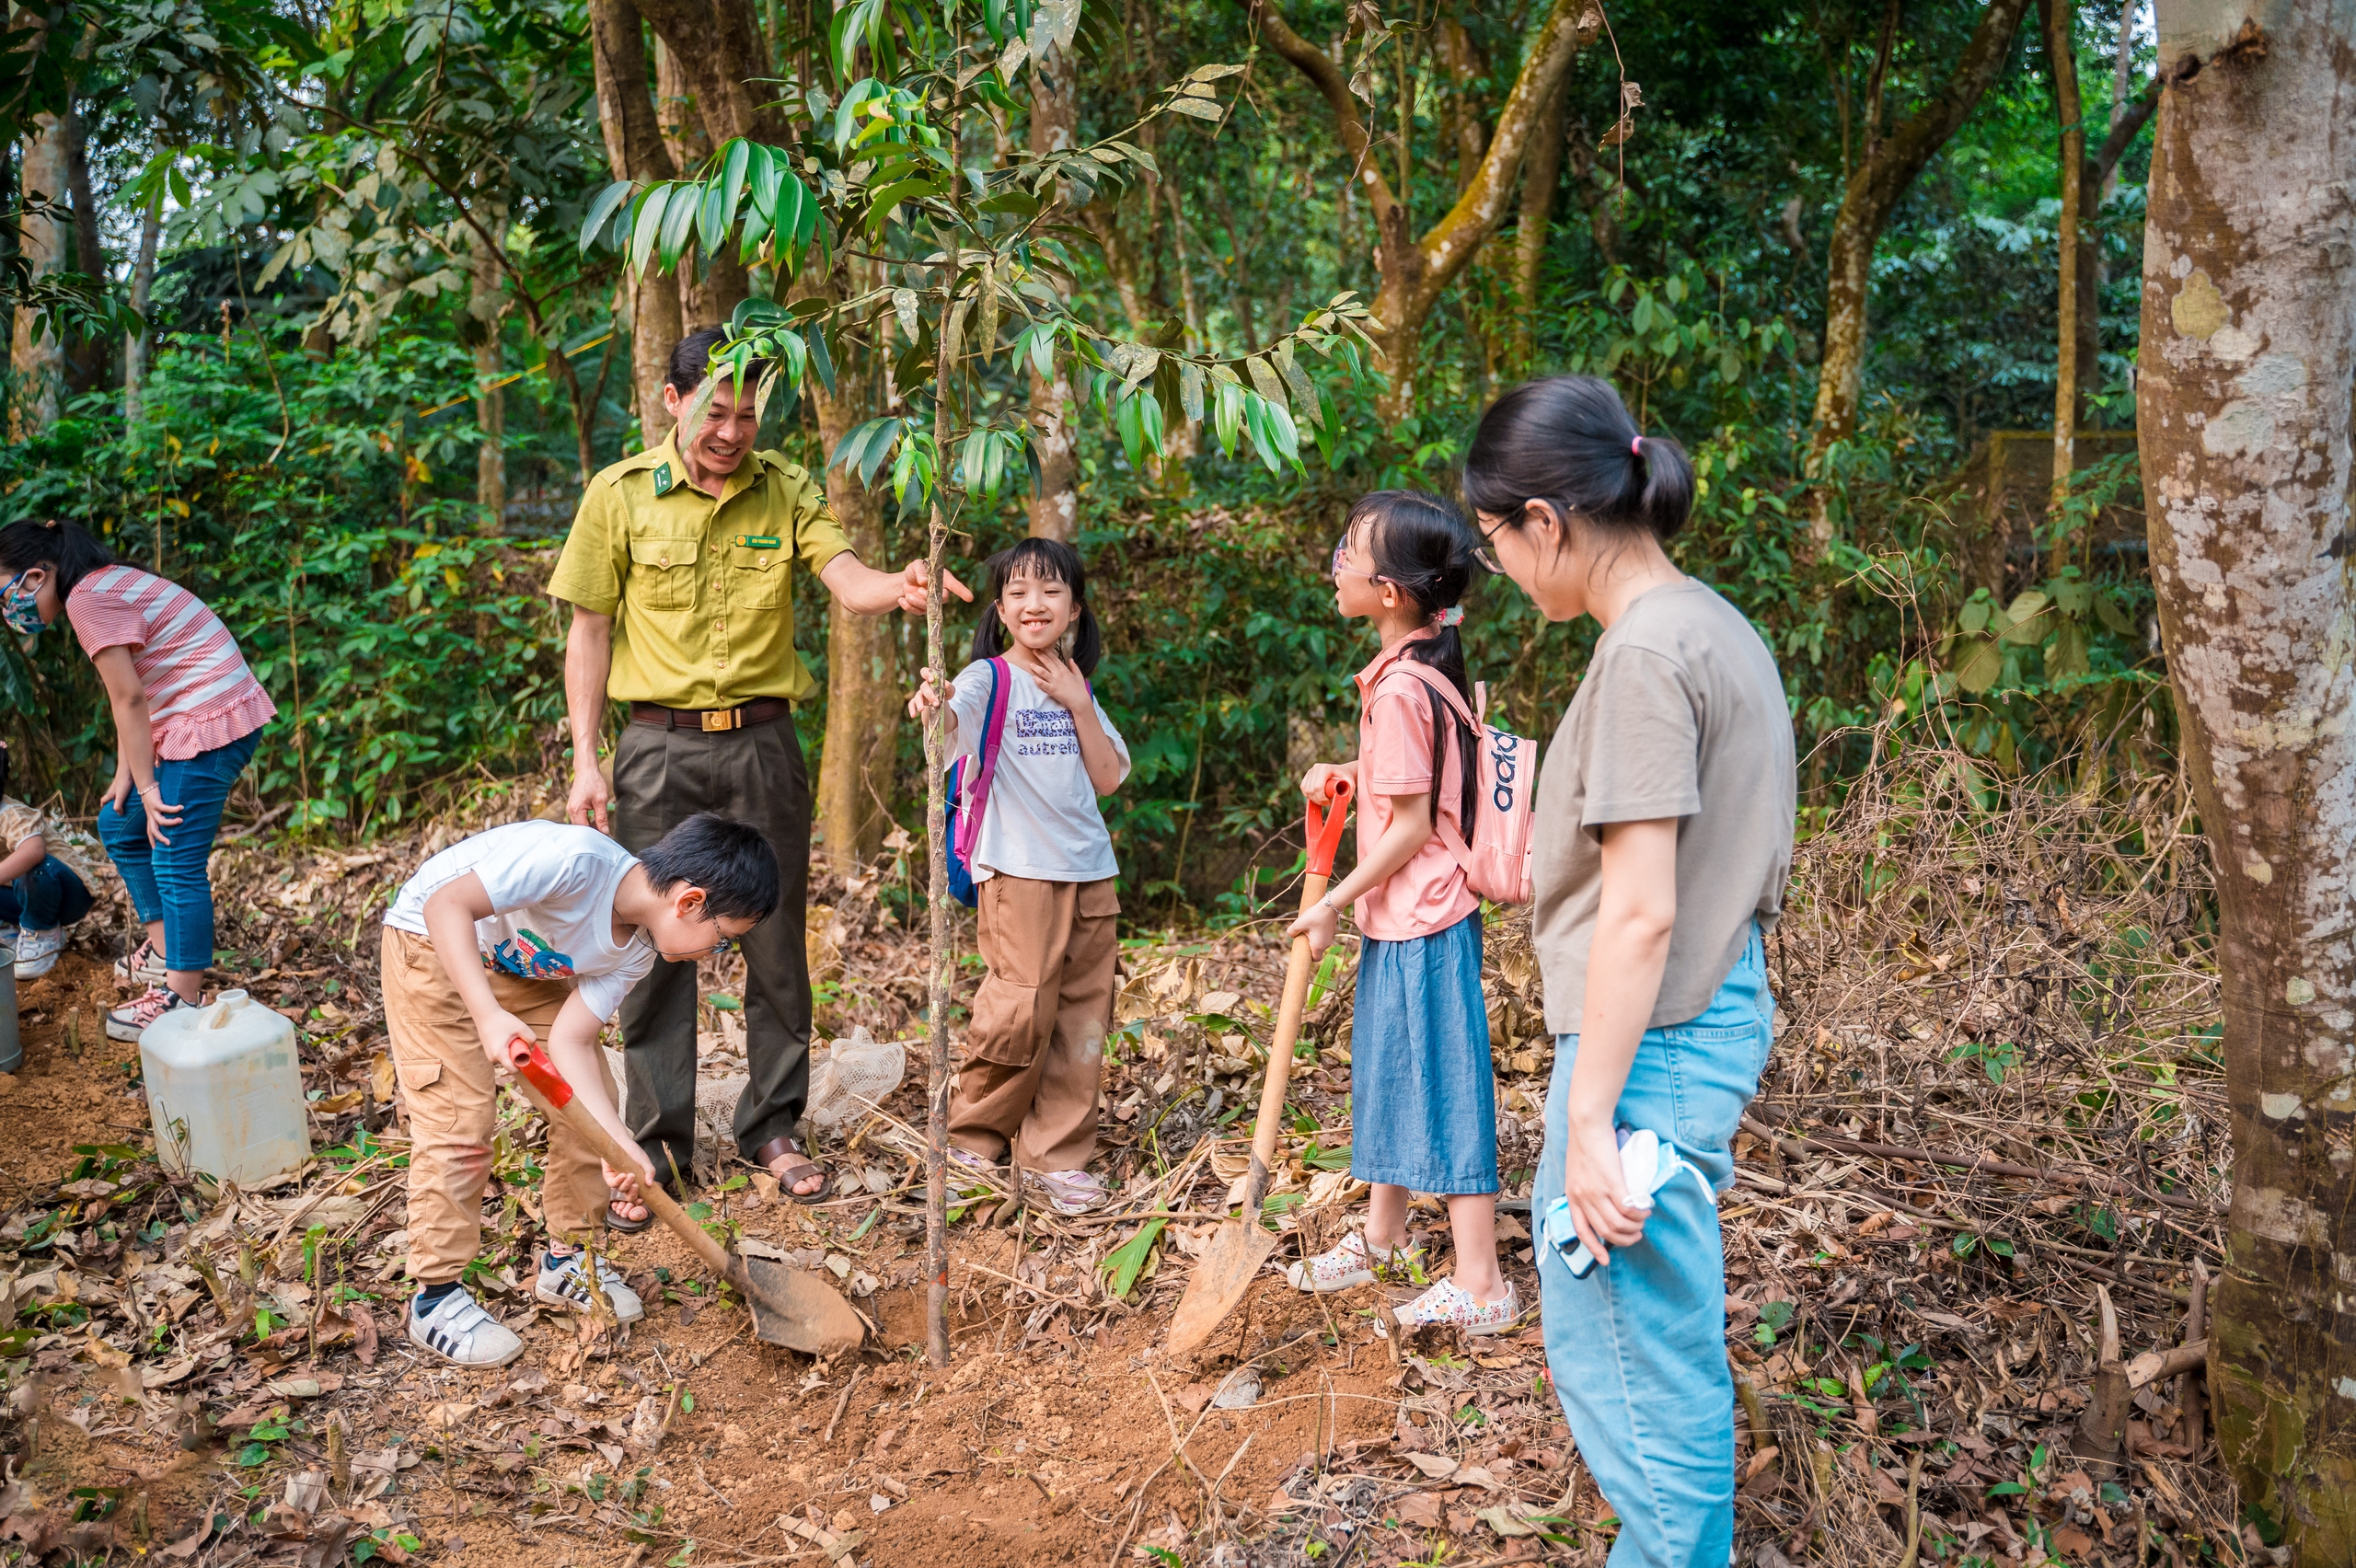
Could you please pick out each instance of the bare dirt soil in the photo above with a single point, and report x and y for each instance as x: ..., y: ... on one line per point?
x: 1994, y: 1095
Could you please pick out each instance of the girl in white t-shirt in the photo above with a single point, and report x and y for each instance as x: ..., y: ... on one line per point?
x: 1044, y: 876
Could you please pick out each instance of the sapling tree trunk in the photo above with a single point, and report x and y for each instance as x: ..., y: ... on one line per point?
x: 936, y: 829
x: 2243, y: 397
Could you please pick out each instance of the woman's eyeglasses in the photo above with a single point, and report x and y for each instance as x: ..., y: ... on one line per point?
x: 1485, y: 552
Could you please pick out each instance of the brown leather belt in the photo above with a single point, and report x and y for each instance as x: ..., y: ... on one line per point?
x: 760, y: 710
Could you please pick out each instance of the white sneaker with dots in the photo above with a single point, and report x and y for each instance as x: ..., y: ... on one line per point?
x: 458, y: 1330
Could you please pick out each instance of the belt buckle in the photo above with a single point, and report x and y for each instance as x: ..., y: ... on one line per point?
x: 725, y: 719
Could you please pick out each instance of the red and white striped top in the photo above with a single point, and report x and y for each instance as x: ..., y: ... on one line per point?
x: 201, y: 695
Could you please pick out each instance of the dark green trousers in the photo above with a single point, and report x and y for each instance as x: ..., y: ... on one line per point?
x: 661, y: 778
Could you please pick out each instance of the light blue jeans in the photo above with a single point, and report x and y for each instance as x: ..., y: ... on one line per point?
x: 1637, y: 1349
x: 174, y: 882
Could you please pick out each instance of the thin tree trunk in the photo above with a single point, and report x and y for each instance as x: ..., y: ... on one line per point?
x: 936, y: 758
x: 1875, y: 187
x: 1055, y: 509
x: 143, y: 288
x: 634, y: 150
x: 2060, y: 18
x: 36, y: 357
x: 2248, y: 447
x: 486, y: 302
x: 1541, y: 172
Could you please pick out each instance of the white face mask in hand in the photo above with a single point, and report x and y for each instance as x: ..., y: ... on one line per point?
x: 1647, y: 1165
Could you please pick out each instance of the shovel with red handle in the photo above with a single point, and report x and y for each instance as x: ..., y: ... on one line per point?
x: 1233, y: 1260
x: 790, y: 1307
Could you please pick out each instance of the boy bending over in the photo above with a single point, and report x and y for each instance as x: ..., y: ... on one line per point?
x: 538, y: 928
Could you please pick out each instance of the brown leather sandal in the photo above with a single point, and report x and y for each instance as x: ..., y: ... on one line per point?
x: 770, y: 1153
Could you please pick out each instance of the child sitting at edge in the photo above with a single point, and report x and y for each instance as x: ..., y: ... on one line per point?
x: 1423, y: 1098
x: 44, y: 886
x: 537, y: 929
x: 1044, y: 875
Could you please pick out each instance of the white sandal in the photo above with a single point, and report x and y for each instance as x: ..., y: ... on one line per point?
x: 1450, y: 1303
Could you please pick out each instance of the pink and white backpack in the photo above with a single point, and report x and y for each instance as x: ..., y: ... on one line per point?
x: 1504, y: 789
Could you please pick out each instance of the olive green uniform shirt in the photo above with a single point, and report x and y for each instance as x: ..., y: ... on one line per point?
x: 701, y: 590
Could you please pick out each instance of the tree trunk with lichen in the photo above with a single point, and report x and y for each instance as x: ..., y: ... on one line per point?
x: 2060, y: 19
x: 2244, y: 426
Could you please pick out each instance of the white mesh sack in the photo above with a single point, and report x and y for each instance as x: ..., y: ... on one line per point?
x: 853, y: 1076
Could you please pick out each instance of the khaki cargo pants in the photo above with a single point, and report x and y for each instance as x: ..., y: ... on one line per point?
x: 451, y: 1094
x: 1035, y: 1047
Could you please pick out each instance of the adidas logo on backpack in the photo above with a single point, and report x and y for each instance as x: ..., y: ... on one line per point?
x: 1499, y: 800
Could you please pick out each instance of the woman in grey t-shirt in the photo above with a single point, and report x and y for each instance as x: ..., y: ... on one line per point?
x: 1665, y: 810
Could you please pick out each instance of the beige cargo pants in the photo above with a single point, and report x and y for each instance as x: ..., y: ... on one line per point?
x: 1035, y: 1050
x: 450, y: 1093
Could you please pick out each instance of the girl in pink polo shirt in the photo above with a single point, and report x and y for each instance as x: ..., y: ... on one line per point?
x: 1422, y: 1101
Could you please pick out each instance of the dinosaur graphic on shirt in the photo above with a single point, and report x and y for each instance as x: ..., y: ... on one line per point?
x: 528, y: 956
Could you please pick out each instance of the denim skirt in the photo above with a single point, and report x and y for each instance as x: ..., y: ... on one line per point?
x: 1422, y: 1097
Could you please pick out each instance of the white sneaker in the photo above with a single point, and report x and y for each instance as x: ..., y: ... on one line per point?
x: 37, y: 951
x: 460, y: 1331
x: 1071, y: 1192
x: 143, y: 965
x: 563, y: 1283
x: 1350, y: 1263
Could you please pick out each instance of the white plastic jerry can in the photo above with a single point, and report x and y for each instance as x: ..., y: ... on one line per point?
x: 225, y: 1091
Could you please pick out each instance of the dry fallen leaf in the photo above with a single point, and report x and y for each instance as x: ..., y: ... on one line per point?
x: 1433, y: 1465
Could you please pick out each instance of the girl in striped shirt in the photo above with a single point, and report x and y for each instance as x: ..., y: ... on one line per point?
x: 188, y: 714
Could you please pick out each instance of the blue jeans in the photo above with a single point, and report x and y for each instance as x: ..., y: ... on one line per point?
x: 171, y: 883
x: 1637, y: 1349
x: 44, y: 898
x: 1423, y: 1098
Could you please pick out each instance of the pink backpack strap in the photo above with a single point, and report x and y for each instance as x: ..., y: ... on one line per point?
x: 1452, y: 839
x: 969, y: 819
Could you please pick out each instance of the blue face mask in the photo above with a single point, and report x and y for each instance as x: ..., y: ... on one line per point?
x: 21, y: 605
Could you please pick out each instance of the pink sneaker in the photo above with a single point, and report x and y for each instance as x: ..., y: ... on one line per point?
x: 129, y: 1022
x: 143, y: 965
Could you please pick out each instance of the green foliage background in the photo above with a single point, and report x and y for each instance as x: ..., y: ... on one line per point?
x: 319, y: 490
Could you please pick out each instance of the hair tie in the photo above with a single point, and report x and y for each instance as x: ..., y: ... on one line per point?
x: 1452, y: 615
x: 1636, y: 445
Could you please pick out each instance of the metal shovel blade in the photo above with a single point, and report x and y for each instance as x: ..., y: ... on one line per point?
x: 795, y: 1308
x: 1222, y: 1274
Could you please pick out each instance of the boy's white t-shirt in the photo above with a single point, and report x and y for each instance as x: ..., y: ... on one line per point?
x: 551, y: 886
x: 1042, y: 820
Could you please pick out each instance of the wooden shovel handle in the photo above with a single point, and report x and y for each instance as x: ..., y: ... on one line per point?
x: 1324, y: 836
x: 546, y: 1089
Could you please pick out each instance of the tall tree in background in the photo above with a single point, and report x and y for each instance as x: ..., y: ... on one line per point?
x: 1054, y: 505
x: 2078, y: 341
x: 2249, y: 444
x: 1878, y: 179
x: 1415, y: 270
x: 635, y: 150
x: 37, y: 347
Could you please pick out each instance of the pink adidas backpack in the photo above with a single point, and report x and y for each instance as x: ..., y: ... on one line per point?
x: 1496, y: 860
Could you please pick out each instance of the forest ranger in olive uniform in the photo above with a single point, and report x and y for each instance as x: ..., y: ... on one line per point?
x: 679, y: 571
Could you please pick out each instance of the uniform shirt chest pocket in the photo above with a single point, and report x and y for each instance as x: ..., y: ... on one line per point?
x: 663, y: 573
x: 757, y: 568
